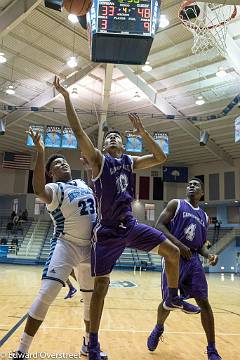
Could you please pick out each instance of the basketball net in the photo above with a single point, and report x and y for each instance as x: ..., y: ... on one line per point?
x: 209, y: 27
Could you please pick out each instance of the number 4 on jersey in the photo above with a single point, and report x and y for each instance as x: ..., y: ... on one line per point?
x: 189, y: 231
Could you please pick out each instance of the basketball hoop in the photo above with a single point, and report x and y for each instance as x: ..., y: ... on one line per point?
x: 208, y: 24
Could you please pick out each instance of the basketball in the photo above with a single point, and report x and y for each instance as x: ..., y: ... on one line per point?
x: 189, y: 12
x: 77, y: 7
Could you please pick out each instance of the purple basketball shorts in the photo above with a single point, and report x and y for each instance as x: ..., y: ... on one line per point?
x: 108, y: 243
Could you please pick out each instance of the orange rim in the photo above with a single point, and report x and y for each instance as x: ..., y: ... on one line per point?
x: 188, y: 23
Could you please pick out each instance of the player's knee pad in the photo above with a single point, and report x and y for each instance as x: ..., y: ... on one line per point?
x: 47, y: 294
x: 87, y: 296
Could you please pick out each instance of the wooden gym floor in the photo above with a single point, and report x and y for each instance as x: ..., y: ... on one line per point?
x: 130, y: 314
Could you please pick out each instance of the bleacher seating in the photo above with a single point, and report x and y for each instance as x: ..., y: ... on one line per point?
x: 39, y: 247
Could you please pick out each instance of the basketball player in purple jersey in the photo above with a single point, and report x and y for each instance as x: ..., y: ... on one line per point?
x: 117, y: 228
x: 185, y: 224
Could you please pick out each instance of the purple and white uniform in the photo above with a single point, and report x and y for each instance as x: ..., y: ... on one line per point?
x: 117, y: 228
x: 189, y: 226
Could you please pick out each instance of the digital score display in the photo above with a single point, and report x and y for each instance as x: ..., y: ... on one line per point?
x: 125, y: 17
x: 122, y: 31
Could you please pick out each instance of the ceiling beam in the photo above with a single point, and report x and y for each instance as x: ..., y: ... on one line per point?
x: 15, y: 13
x: 48, y: 95
x: 162, y: 105
x: 105, y: 103
x: 233, y: 53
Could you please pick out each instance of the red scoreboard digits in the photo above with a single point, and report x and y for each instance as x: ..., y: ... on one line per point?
x: 145, y: 13
x: 125, y: 16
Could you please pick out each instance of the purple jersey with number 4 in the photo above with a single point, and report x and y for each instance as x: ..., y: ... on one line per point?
x: 114, y: 189
x: 189, y: 225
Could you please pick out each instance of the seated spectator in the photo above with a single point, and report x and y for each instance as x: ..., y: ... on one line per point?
x: 9, y: 227
x: 15, y: 219
x: 15, y: 242
x: 208, y: 245
x: 25, y: 215
x: 3, y: 241
x: 13, y: 214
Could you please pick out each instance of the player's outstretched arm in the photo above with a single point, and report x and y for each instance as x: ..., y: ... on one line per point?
x: 92, y: 154
x: 157, y: 157
x: 45, y: 194
x: 164, y: 219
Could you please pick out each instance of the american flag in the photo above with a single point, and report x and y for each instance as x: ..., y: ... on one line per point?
x: 16, y: 161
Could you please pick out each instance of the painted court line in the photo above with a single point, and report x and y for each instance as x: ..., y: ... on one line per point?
x: 140, y: 331
x: 12, y: 330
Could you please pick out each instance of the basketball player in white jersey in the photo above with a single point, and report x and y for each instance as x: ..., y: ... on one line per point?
x: 71, y: 205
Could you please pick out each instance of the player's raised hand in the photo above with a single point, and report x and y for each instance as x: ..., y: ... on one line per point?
x: 36, y: 138
x: 138, y: 128
x: 59, y: 87
x: 213, y: 259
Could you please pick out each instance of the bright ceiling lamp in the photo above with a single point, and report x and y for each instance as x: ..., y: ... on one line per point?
x: 2, y: 58
x: 221, y: 73
x: 147, y: 67
x: 73, y: 18
x: 163, y: 22
x: 10, y: 90
x: 72, y: 62
x: 137, y: 97
x: 200, y: 101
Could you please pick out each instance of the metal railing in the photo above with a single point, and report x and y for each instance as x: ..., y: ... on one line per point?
x: 32, y: 236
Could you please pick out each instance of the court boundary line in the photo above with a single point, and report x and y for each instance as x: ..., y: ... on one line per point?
x: 12, y: 330
x: 139, y: 331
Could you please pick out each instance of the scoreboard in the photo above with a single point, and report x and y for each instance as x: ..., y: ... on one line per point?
x: 122, y: 31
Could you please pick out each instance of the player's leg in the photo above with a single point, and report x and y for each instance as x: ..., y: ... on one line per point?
x: 86, y: 282
x: 154, y: 337
x: 107, y: 246
x: 72, y: 290
x: 146, y: 238
x: 55, y: 274
x: 207, y: 320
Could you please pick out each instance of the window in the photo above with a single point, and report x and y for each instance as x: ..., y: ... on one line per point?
x: 149, y: 211
x: 233, y: 214
x: 15, y: 205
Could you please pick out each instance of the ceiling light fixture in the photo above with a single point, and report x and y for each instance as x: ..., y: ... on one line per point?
x: 73, y: 18
x: 147, y: 67
x: 137, y: 97
x: 3, y: 59
x: 72, y: 62
x: 221, y: 73
x: 10, y: 90
x: 163, y: 22
x: 200, y: 101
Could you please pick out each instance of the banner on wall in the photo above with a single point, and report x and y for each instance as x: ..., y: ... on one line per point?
x: 175, y: 174
x: 35, y: 128
x: 162, y: 139
x: 134, y: 144
x: 53, y: 136
x: 237, y: 130
x: 69, y: 140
